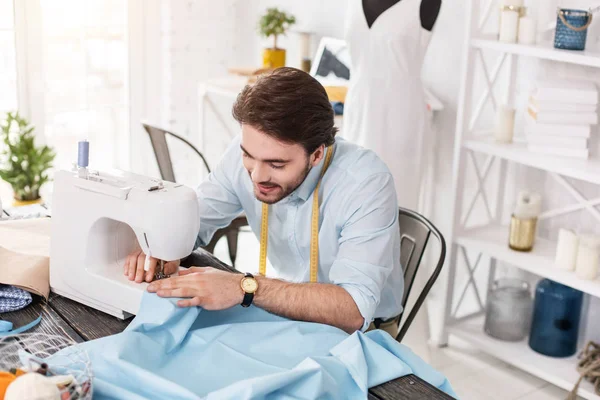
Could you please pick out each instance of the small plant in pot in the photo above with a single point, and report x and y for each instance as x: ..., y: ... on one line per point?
x: 23, y: 164
x: 274, y: 23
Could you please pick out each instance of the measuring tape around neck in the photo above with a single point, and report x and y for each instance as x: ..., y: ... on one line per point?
x: 314, y: 228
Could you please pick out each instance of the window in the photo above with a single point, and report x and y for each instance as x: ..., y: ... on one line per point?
x: 8, y: 65
x: 84, y: 58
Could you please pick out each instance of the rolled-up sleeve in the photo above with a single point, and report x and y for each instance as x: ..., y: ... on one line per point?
x: 367, y: 243
x: 218, y: 202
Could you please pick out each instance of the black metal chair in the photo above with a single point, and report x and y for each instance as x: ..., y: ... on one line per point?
x: 158, y: 138
x: 415, y: 231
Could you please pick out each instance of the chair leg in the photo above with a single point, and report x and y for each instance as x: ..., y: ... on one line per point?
x: 210, y: 247
x: 232, y: 243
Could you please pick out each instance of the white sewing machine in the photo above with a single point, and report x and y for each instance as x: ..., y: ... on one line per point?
x: 98, y: 219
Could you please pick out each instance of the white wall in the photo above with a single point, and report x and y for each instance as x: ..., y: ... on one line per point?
x: 324, y: 18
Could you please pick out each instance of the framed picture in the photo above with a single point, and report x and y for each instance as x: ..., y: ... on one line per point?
x: 331, y: 65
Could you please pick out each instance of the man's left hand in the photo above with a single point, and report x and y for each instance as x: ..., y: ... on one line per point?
x: 207, y: 287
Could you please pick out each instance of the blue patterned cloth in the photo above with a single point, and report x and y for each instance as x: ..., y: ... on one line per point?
x: 13, y: 298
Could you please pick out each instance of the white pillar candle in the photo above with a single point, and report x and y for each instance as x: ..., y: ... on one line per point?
x: 516, y: 3
x: 588, y: 257
x: 566, y: 249
x: 509, y: 26
x: 505, y: 121
x: 527, y: 30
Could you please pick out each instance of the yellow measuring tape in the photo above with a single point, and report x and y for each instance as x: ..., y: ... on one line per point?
x: 314, y: 228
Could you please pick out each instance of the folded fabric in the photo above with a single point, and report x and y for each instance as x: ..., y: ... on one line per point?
x: 13, y: 299
x: 169, y: 352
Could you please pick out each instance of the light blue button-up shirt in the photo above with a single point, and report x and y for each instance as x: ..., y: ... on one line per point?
x: 359, y: 238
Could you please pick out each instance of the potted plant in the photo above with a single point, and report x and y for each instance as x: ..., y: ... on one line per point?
x: 274, y: 23
x: 22, y: 163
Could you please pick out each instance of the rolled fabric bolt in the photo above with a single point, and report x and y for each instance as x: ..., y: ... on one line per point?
x: 588, y: 257
x: 509, y: 26
x: 527, y: 30
x: 566, y: 249
x: 505, y: 121
x: 529, y: 205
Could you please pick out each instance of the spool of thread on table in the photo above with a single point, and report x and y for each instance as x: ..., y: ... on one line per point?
x: 83, y: 153
x: 83, y: 158
x: 566, y: 249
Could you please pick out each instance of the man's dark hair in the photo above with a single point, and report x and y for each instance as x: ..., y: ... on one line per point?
x: 289, y: 105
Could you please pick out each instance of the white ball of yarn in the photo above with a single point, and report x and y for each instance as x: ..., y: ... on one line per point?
x: 32, y: 386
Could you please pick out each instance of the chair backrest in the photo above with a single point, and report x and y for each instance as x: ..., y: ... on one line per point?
x: 415, y: 231
x: 158, y: 138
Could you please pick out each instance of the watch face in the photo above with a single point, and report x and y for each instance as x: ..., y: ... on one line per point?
x: 249, y: 285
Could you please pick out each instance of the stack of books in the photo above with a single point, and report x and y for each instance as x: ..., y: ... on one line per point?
x: 561, y: 114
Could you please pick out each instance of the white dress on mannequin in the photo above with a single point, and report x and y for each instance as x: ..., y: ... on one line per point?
x: 385, y: 108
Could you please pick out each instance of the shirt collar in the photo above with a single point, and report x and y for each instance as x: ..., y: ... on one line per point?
x: 306, y: 188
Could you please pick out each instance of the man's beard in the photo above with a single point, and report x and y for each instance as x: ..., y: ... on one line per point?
x: 293, y: 186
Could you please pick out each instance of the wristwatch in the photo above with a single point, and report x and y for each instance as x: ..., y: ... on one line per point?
x: 249, y: 286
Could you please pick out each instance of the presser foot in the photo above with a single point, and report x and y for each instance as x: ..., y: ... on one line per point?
x: 160, y: 274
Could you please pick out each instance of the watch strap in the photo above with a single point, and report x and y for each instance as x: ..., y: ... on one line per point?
x: 248, y: 297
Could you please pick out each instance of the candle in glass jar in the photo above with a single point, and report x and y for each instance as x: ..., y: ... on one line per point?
x: 527, y: 30
x: 509, y: 26
x: 588, y: 257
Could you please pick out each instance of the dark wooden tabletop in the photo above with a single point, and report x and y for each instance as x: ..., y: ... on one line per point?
x: 64, y: 317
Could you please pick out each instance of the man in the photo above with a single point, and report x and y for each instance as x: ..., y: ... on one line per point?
x: 274, y: 170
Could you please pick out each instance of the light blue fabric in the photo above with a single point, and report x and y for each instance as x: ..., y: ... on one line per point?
x: 359, y: 239
x: 169, y: 352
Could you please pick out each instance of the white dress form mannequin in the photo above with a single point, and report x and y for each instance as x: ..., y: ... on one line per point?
x: 385, y: 108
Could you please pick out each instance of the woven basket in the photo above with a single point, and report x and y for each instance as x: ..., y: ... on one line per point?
x: 571, y: 28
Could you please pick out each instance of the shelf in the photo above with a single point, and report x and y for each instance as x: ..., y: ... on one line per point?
x: 559, y: 371
x: 586, y: 170
x: 544, y: 51
x: 493, y: 241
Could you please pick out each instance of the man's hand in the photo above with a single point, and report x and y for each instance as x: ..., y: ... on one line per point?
x: 207, y: 287
x: 134, y: 267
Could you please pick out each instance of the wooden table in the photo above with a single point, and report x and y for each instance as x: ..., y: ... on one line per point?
x: 64, y: 317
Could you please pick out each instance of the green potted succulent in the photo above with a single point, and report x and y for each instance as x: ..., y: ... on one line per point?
x: 23, y: 164
x: 273, y: 24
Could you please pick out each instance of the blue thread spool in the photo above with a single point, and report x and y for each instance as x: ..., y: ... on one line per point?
x: 571, y: 28
x: 83, y: 153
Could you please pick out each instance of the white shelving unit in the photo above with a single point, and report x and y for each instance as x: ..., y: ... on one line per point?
x: 491, y: 239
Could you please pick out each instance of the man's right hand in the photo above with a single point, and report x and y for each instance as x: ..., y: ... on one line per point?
x: 134, y: 267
